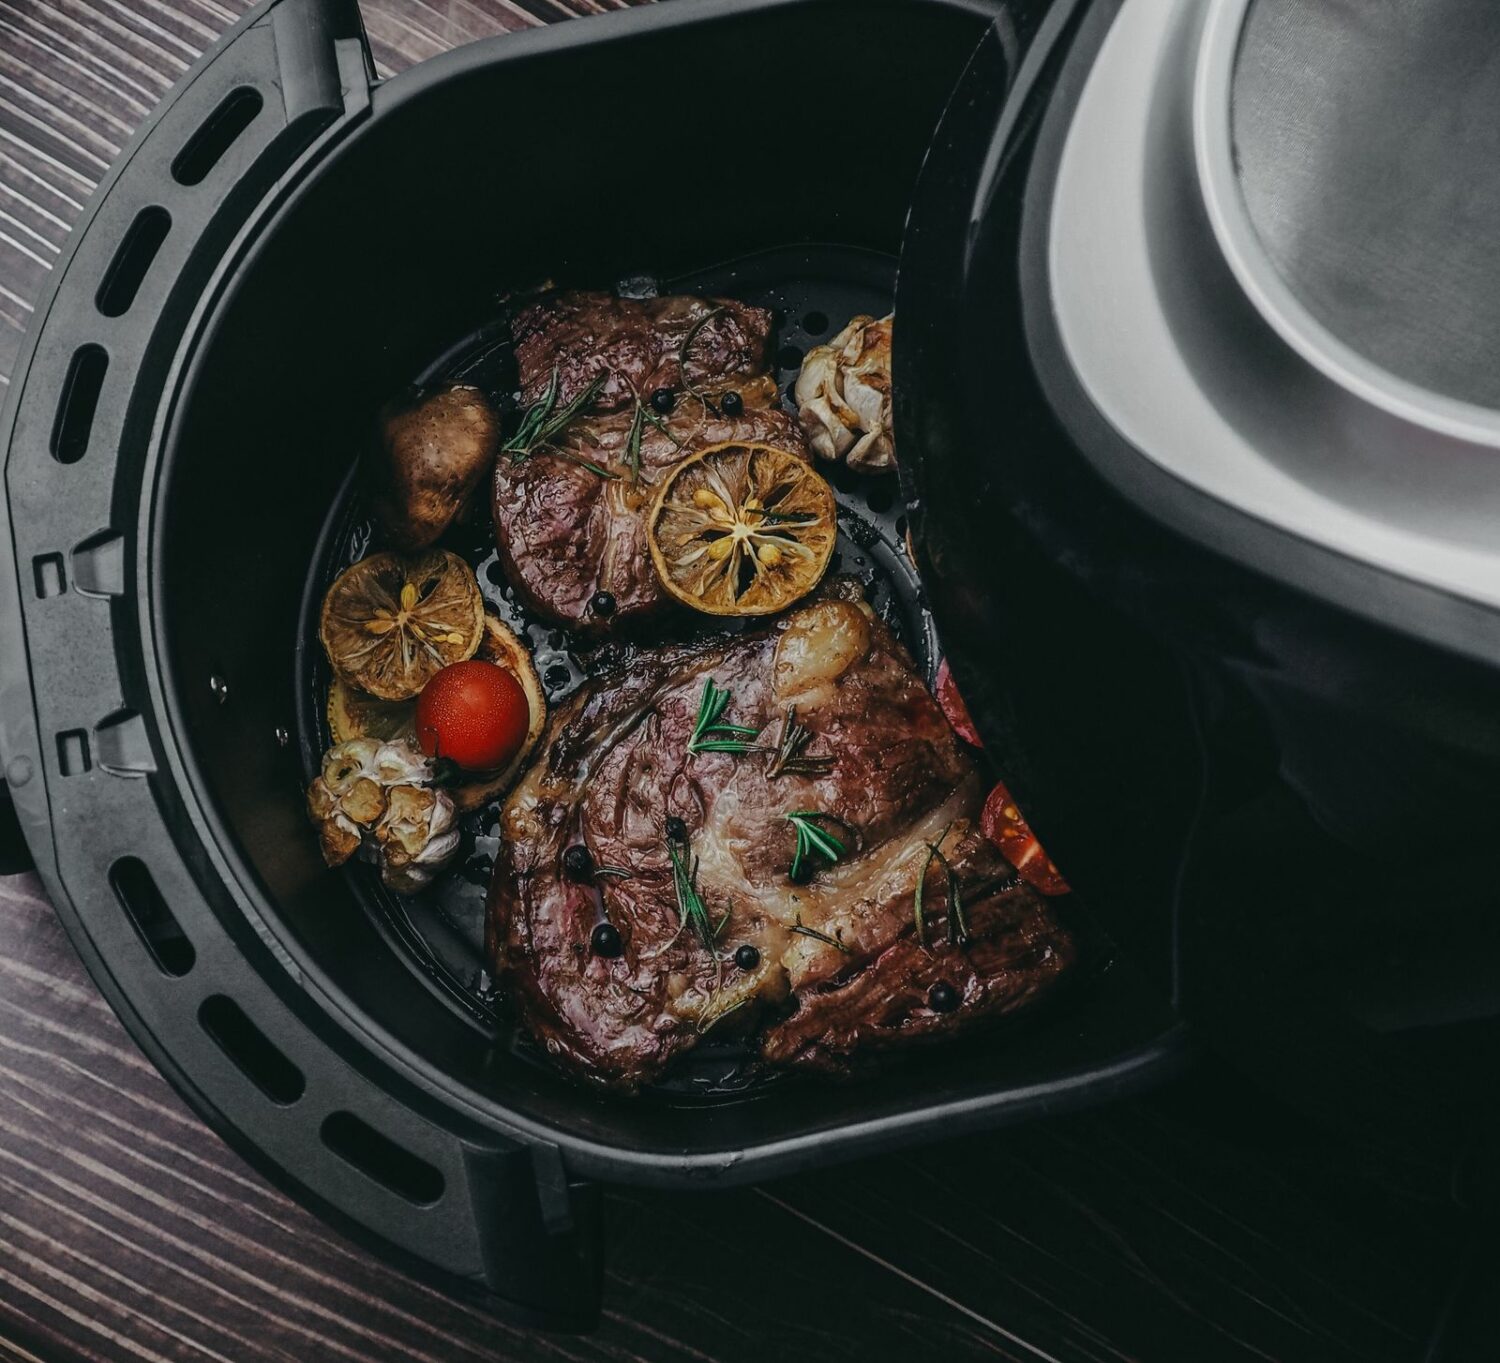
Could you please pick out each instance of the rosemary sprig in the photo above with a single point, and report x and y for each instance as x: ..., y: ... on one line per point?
x: 686, y: 348
x: 619, y: 872
x: 787, y: 757
x: 803, y: 931
x: 690, y: 905
x: 811, y: 839
x: 660, y: 425
x: 633, y: 441
x: 711, y: 706
x: 958, y: 922
x: 544, y: 420
x: 958, y: 918
x: 916, y: 899
x: 521, y: 442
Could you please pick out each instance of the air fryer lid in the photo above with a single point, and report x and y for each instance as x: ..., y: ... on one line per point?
x: 1269, y: 256
x: 1368, y: 144
x: 1122, y: 415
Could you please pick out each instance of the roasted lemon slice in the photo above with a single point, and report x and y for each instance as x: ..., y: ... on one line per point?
x: 742, y: 529
x: 391, y: 621
x: 353, y: 714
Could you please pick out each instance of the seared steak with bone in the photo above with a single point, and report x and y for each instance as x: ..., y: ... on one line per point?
x: 567, y: 533
x: 838, y: 967
x: 637, y: 345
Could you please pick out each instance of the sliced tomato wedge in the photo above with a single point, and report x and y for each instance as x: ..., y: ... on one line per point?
x: 952, y: 705
x: 1004, y: 825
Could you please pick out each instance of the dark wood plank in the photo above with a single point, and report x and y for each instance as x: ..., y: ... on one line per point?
x: 1189, y: 1226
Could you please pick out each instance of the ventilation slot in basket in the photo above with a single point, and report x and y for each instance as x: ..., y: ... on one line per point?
x: 206, y: 147
x: 159, y: 931
x: 51, y: 578
x: 80, y: 399
x: 253, y: 1053
x: 380, y: 1158
x: 122, y: 281
x: 73, y: 752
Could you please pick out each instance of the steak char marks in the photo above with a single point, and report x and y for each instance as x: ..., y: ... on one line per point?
x: 839, y: 970
x: 566, y: 533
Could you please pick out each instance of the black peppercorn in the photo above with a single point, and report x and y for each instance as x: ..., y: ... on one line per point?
x: 603, y: 603
x: 747, y: 957
x: 676, y: 829
x: 732, y: 404
x: 663, y: 400
x: 606, y: 940
x: 577, y: 862
x: 942, y: 997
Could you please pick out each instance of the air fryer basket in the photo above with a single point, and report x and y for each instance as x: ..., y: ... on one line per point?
x: 284, y: 247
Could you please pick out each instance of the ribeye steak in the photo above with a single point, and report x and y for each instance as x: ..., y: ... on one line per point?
x: 838, y: 967
x: 565, y: 532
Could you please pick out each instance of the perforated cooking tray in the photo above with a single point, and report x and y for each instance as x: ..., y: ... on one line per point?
x: 285, y: 245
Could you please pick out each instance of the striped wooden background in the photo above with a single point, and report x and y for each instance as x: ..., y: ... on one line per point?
x: 1191, y: 1229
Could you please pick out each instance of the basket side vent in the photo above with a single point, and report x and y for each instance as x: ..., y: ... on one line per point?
x: 154, y: 922
x: 378, y: 1157
x: 216, y: 134
x: 127, y: 271
x: 253, y: 1053
x: 80, y: 400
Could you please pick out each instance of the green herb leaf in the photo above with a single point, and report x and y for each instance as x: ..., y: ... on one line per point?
x: 958, y: 922
x: 536, y: 414
x: 633, y: 441
x: 711, y: 705
x: 690, y: 906
x: 812, y: 839
x: 544, y: 421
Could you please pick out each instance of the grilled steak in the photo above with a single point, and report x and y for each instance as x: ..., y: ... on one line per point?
x: 837, y: 967
x: 637, y: 344
x: 567, y: 533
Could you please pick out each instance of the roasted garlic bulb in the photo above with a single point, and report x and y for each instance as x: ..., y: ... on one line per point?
x: 844, y: 396
x: 377, y: 798
x: 416, y: 837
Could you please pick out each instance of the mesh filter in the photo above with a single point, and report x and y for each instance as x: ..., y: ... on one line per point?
x: 1368, y: 140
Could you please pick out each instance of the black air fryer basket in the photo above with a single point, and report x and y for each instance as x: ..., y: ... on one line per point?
x: 285, y: 245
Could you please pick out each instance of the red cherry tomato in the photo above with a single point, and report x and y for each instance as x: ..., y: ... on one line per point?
x: 953, y: 707
x: 1004, y: 825
x: 474, y: 714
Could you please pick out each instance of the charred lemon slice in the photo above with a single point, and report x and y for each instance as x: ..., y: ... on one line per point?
x: 742, y: 529
x: 391, y: 621
x: 353, y: 714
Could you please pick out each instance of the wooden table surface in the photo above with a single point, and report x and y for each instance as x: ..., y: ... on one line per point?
x: 1196, y: 1226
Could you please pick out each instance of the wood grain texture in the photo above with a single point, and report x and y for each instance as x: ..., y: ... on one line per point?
x: 1200, y: 1227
